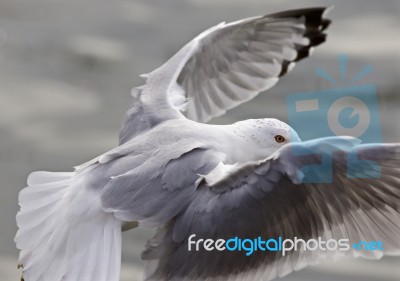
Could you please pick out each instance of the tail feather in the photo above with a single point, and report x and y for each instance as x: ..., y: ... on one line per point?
x: 63, y: 232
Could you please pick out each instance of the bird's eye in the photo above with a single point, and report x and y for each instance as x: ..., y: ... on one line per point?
x: 279, y: 138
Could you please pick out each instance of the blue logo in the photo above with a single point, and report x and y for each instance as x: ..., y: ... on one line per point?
x: 342, y: 111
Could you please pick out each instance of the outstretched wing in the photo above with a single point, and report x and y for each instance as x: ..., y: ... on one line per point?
x: 225, y: 66
x: 235, y: 62
x: 270, y: 199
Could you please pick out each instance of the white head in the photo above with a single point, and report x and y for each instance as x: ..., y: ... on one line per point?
x: 267, y: 135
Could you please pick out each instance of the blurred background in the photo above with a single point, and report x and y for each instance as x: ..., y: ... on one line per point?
x: 67, y: 68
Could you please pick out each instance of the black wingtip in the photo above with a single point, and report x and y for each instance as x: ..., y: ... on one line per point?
x: 315, y: 23
x: 313, y: 15
x: 325, y: 24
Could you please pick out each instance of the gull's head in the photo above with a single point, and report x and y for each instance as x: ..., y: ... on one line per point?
x: 267, y: 134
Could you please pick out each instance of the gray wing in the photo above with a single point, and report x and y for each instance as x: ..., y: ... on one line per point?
x: 160, y: 184
x: 269, y: 199
x: 225, y: 66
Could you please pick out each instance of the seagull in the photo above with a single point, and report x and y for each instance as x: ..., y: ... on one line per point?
x: 173, y: 172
